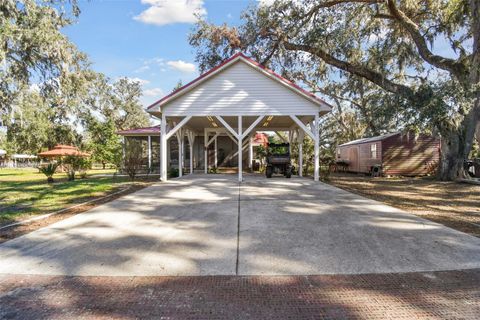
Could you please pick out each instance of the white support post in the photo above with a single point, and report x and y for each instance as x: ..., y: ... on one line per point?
x: 291, y: 135
x: 191, y: 141
x: 183, y: 149
x: 240, y: 151
x: 149, y: 154
x: 160, y: 156
x: 169, y: 154
x: 300, y: 137
x: 163, y: 149
x: 180, y: 138
x: 316, y: 140
x: 205, y: 146
x: 124, y: 140
x: 191, y: 158
x: 250, y: 151
x: 216, y: 152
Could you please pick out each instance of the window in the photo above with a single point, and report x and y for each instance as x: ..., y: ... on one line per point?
x: 373, y: 151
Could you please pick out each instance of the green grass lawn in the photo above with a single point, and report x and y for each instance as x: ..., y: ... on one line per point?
x: 25, y: 192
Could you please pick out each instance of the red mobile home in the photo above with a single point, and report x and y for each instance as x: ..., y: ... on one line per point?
x: 396, y: 153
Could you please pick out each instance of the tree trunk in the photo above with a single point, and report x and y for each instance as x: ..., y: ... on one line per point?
x: 456, y: 146
x: 477, y: 134
x: 451, y: 159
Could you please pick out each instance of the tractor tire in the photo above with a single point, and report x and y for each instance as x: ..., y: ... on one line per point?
x: 288, y: 174
x: 269, y: 172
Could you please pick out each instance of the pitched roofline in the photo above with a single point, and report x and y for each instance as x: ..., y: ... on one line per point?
x: 370, y: 139
x: 226, y: 62
x: 138, y: 128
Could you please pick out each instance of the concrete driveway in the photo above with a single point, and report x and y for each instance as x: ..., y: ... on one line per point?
x: 200, y: 225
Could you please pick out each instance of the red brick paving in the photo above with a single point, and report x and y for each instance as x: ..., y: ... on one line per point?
x: 429, y: 295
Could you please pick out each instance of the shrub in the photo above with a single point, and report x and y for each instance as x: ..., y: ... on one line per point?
x: 173, y: 173
x: 133, y: 158
x: 73, y: 164
x: 49, y: 171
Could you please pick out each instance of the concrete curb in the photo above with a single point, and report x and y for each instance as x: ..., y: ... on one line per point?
x: 44, y: 216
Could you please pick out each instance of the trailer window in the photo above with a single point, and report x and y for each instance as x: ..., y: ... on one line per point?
x: 373, y: 151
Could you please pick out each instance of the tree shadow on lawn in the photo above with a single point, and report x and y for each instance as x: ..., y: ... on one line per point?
x: 413, y: 193
x: 55, y: 196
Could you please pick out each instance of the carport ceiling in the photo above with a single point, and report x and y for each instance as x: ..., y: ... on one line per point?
x: 268, y: 123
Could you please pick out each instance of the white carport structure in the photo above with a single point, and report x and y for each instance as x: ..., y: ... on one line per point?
x: 237, y: 99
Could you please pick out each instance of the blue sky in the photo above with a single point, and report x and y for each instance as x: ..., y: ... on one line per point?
x: 146, y: 39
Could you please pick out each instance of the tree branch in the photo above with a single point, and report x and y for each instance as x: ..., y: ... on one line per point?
x: 358, y: 70
x: 328, y: 4
x: 456, y: 68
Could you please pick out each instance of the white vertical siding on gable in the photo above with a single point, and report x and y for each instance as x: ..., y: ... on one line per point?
x: 240, y: 90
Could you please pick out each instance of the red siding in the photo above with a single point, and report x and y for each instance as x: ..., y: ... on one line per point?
x: 409, y: 155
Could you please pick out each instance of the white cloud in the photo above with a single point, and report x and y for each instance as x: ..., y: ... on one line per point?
x: 141, y: 81
x: 162, y: 12
x: 182, y: 66
x: 229, y: 16
x: 154, y: 92
x: 142, y: 69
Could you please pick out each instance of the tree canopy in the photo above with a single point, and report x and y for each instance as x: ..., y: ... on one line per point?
x: 49, y: 94
x: 379, y: 55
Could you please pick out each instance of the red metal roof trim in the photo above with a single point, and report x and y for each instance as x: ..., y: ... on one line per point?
x: 239, y: 54
x: 154, y: 129
x: 61, y: 150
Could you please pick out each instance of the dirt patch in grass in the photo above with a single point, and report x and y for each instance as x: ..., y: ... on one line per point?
x: 21, y: 229
x: 456, y: 205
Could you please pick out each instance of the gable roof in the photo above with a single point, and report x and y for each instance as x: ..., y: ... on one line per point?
x: 372, y: 139
x: 233, y: 59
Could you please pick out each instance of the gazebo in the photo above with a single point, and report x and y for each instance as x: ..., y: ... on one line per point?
x: 220, y: 113
x: 61, y: 150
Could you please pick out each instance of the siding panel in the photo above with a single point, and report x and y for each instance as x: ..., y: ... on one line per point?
x: 407, y: 155
x: 240, y: 89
